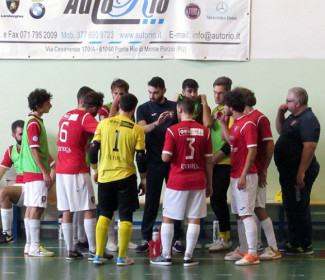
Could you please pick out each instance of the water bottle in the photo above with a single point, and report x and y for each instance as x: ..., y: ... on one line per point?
x: 215, y: 235
x: 298, y: 198
x: 60, y: 232
x: 155, y: 234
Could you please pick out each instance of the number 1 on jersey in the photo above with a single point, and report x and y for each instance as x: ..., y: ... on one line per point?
x: 115, y: 149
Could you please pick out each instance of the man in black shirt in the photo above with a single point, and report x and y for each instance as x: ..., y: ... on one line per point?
x: 294, y: 156
x: 155, y: 116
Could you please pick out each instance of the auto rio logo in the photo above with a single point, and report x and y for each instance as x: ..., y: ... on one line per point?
x: 37, y: 11
x: 192, y: 11
x: 119, y: 11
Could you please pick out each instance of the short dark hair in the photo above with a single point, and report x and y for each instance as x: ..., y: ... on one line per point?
x: 157, y: 82
x: 190, y: 83
x: 187, y: 104
x: 223, y: 81
x: 119, y: 83
x: 235, y: 99
x: 249, y: 97
x: 128, y: 102
x: 83, y: 92
x: 15, y: 124
x: 37, y: 98
x: 93, y: 99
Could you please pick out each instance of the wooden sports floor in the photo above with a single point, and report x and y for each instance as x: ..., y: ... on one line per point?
x: 15, y: 266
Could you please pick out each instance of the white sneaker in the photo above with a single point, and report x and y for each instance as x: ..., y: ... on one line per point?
x: 220, y: 246
x: 234, y: 255
x: 270, y: 254
x: 210, y: 244
x: 39, y: 251
x: 248, y: 259
x: 26, y: 248
x: 111, y: 246
x: 132, y: 245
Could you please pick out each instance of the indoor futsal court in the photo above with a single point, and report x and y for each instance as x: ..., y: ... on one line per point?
x: 14, y: 265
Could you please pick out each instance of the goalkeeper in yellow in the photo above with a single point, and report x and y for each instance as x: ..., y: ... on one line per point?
x: 118, y: 139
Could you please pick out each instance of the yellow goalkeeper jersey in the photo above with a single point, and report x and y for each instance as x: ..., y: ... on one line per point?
x: 119, y: 138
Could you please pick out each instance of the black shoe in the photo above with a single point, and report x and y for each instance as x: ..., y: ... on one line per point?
x: 106, y: 256
x: 161, y: 260
x: 73, y: 255
x: 82, y: 247
x: 6, y: 238
x: 143, y: 247
x: 190, y: 261
x: 300, y: 251
x: 178, y: 247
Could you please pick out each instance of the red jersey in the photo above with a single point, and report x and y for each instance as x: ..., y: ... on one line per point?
x: 9, y: 160
x: 243, y: 135
x: 103, y: 112
x: 74, y: 129
x: 188, y: 142
x: 264, y: 134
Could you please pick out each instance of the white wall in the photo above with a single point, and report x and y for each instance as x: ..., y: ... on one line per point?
x: 286, y: 37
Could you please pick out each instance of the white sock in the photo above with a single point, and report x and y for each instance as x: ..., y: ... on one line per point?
x: 90, y: 228
x: 35, y: 229
x: 192, y: 234
x: 269, y: 233
x: 167, y: 234
x: 251, y: 235
x: 27, y: 230
x: 243, y: 247
x: 75, y: 227
x: 81, y: 227
x: 111, y: 231
x: 6, y: 217
x: 259, y: 231
x: 67, y: 229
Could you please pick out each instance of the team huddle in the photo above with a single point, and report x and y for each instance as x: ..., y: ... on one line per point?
x: 199, y: 153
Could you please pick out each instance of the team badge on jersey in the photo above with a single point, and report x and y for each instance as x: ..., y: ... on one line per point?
x: 293, y: 123
x: 43, y: 198
x: 35, y: 138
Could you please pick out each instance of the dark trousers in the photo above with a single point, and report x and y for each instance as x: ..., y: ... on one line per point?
x: 298, y: 212
x: 157, y: 172
x: 218, y: 200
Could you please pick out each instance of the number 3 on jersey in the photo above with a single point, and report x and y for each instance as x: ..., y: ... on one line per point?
x: 190, y: 145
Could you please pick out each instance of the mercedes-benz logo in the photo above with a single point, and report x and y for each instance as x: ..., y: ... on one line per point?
x: 222, y: 7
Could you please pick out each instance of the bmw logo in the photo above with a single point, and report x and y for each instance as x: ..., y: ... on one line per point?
x: 37, y: 10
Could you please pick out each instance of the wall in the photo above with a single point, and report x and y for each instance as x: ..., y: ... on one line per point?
x: 287, y: 49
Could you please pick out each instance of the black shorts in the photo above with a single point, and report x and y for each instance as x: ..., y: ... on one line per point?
x: 121, y: 195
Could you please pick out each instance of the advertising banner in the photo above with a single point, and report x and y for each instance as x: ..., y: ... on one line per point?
x: 125, y: 29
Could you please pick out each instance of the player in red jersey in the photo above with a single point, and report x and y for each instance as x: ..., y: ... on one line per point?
x: 11, y: 194
x: 35, y: 162
x: 265, y: 148
x: 188, y: 147
x: 74, y: 188
x: 14, y: 193
x: 242, y: 138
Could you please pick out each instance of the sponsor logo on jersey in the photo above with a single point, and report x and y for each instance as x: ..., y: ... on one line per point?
x: 127, y: 124
x: 190, y: 132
